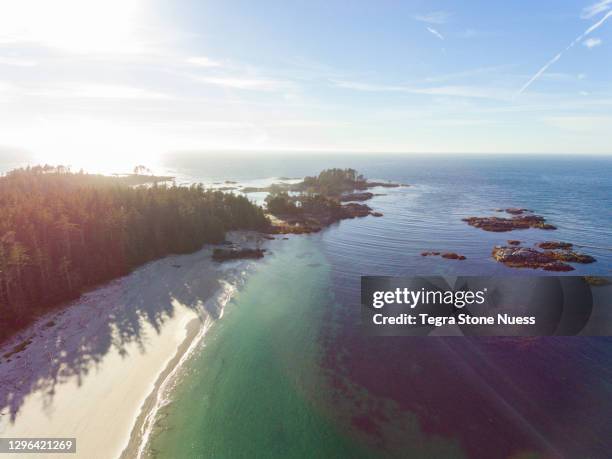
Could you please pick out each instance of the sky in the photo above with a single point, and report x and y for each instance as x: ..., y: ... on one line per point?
x: 126, y: 80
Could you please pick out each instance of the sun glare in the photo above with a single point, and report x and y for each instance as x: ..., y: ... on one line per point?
x: 79, y: 26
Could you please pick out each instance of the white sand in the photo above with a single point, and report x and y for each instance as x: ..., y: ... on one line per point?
x: 89, y: 373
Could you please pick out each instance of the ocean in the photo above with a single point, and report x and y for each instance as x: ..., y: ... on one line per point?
x: 287, y: 372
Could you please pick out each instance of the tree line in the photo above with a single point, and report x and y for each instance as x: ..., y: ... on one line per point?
x: 61, y: 232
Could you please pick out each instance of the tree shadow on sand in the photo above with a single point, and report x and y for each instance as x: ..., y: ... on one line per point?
x: 71, y: 343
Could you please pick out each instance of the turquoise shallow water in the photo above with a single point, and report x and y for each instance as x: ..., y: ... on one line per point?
x: 288, y: 373
x: 256, y: 388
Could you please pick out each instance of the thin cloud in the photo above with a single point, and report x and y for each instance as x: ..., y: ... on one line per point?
x: 435, y: 32
x: 101, y: 91
x: 202, y: 61
x: 580, y: 123
x: 17, y: 62
x: 435, y: 17
x: 595, y: 9
x: 470, y: 92
x: 256, y: 84
x: 468, y: 73
x: 592, y: 42
x: 578, y: 39
x: 357, y: 86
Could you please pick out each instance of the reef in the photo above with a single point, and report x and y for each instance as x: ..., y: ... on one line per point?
x: 519, y: 222
x: 356, y: 197
x: 548, y: 260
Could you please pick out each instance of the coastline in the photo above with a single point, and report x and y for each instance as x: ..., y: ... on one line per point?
x: 98, y: 369
x: 143, y: 423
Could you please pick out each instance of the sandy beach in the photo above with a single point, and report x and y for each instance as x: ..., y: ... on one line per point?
x: 93, y: 369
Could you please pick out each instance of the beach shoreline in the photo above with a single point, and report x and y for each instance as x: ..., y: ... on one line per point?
x: 98, y: 369
x: 143, y: 424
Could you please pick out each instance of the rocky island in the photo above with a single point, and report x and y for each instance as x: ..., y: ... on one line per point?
x: 499, y: 224
x: 548, y: 260
x: 549, y: 255
x: 317, y: 202
x: 339, y: 183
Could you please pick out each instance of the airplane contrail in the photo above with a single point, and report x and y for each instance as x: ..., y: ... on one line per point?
x: 578, y: 39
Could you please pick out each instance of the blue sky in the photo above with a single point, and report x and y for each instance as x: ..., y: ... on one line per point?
x: 135, y: 78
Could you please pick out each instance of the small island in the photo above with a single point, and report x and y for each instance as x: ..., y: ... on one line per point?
x: 317, y: 202
x: 337, y: 183
x: 548, y: 260
x: 518, y: 222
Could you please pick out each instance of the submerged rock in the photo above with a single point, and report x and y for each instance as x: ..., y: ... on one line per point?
x: 597, y: 281
x: 513, y: 242
x: 236, y: 254
x: 447, y: 255
x: 452, y: 256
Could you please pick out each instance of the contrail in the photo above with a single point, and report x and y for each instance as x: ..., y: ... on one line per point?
x: 436, y: 33
x: 539, y: 73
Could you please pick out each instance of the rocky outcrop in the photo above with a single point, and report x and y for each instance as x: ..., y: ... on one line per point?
x: 498, y: 224
x: 314, y: 222
x: 548, y: 260
x: 452, y: 256
x: 447, y: 255
x: 353, y: 210
x: 597, y: 281
x: 355, y: 196
x: 524, y: 257
x: 573, y: 257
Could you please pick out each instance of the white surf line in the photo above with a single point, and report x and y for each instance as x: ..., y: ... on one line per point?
x: 223, y: 297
